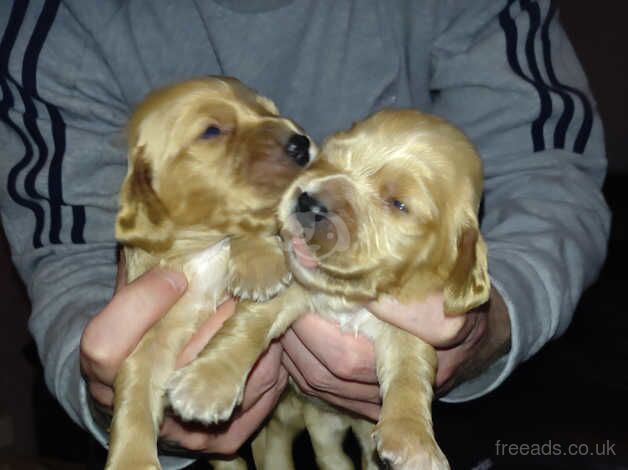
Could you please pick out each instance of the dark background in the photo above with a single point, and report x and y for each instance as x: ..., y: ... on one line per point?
x: 573, y: 392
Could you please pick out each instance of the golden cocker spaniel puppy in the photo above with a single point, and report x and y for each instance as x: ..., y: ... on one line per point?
x: 389, y: 208
x: 208, y: 162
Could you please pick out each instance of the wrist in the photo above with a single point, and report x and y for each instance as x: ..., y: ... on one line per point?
x: 498, y: 326
x: 491, y: 337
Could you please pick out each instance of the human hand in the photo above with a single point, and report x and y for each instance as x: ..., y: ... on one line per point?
x: 340, y: 368
x: 465, y: 344
x: 331, y: 365
x: 109, y: 338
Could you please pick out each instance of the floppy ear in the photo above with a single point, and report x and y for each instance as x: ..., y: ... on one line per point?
x: 468, y: 285
x: 142, y: 220
x: 268, y: 104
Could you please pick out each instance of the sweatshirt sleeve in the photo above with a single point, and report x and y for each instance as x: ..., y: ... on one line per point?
x: 63, y: 159
x: 506, y: 73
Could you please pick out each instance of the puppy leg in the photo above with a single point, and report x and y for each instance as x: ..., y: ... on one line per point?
x: 257, y: 268
x: 406, y: 368
x: 210, y: 387
x: 139, y: 392
x: 363, y: 430
x: 137, y: 414
x: 234, y: 464
x: 327, y: 430
x: 272, y: 448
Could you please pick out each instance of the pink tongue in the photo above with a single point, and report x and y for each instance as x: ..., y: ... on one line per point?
x: 303, y: 253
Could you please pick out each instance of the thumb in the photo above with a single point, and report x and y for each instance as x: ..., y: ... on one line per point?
x: 113, y: 334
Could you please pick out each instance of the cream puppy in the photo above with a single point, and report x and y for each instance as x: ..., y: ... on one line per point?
x: 388, y: 209
x: 208, y: 162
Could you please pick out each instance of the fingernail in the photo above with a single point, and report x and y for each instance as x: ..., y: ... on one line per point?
x: 177, y: 279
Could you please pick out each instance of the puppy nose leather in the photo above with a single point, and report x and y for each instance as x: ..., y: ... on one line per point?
x: 307, y: 203
x: 298, y: 148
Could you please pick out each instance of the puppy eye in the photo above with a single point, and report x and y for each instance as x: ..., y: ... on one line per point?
x: 399, y: 205
x: 210, y: 132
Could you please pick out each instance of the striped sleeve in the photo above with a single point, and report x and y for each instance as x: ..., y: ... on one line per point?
x: 61, y: 166
x: 40, y: 129
x: 506, y: 73
x: 537, y: 69
x: 62, y: 163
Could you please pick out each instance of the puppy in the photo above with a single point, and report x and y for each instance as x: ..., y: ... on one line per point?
x: 208, y: 162
x: 389, y: 208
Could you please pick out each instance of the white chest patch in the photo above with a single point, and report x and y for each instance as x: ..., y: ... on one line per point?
x: 353, y: 318
x: 206, y: 272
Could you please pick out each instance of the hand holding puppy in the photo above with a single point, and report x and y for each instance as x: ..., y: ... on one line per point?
x: 340, y: 367
x: 110, y: 337
x: 465, y: 344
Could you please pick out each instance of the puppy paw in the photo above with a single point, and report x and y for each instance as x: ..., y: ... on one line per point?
x: 404, y: 444
x: 257, y: 269
x: 133, y: 465
x: 205, y: 391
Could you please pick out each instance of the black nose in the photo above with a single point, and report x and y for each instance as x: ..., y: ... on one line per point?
x: 298, y: 148
x: 309, y: 209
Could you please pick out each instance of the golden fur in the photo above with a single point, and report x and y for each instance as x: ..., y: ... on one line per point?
x: 208, y: 162
x: 402, y: 189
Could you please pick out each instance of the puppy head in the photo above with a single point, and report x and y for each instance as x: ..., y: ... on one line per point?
x: 390, y: 206
x: 206, y: 154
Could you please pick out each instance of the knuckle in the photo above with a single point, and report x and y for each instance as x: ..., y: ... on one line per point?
x: 267, y: 375
x: 195, y: 442
x: 320, y: 379
x: 94, y: 351
x: 304, y: 386
x: 269, y: 380
x: 262, y: 382
x: 230, y: 446
x: 448, y: 332
x: 346, y: 369
x: 100, y: 394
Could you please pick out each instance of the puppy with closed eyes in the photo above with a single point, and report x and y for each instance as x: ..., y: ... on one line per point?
x: 208, y: 162
x: 389, y: 208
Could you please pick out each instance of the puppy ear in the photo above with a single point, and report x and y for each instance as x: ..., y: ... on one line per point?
x: 268, y: 104
x: 142, y: 220
x: 468, y: 285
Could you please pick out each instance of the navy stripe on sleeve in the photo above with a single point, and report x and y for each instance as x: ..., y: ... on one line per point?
x: 568, y: 103
x: 29, y: 85
x: 536, y: 79
x: 587, y: 121
x: 29, y: 81
x: 510, y: 30
x: 16, y: 19
x: 30, y: 96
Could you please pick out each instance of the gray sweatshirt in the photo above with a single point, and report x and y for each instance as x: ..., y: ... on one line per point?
x: 71, y: 72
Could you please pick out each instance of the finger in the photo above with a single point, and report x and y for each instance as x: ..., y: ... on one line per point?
x: 320, y: 378
x: 264, y: 376
x: 191, y: 436
x: 101, y: 393
x: 121, y: 274
x: 224, y: 439
x: 454, y: 362
x: 347, y: 355
x: 367, y: 409
x: 113, y: 334
x: 205, y: 332
x: 426, y: 319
